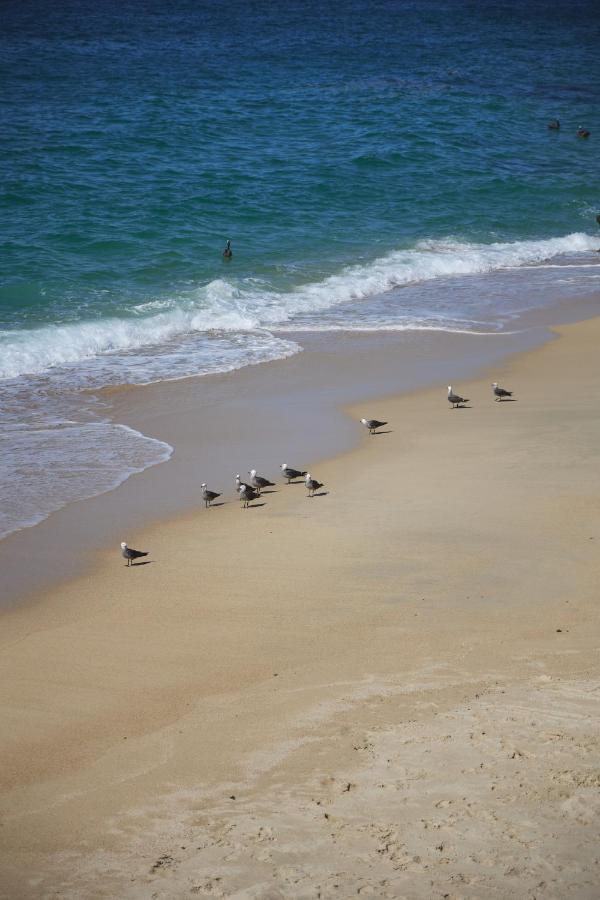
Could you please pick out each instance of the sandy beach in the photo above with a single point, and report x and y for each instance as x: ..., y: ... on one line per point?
x: 388, y: 690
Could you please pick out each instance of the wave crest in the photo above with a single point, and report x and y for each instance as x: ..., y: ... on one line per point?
x: 251, y: 305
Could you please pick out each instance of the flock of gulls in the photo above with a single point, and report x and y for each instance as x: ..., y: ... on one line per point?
x: 248, y: 491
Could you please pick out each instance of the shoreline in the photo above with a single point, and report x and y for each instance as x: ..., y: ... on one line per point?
x: 444, y: 588
x: 263, y: 409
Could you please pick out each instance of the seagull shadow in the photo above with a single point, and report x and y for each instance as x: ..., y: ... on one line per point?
x: 389, y: 431
x: 320, y: 494
x: 146, y: 562
x: 268, y: 492
x: 461, y: 406
x: 255, y: 505
x: 220, y: 503
x: 508, y: 400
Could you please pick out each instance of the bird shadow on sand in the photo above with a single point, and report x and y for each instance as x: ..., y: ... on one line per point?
x: 508, y: 400
x: 255, y: 505
x: 461, y: 406
x: 146, y: 562
x: 320, y: 494
x: 268, y: 492
x: 220, y: 503
x: 388, y: 431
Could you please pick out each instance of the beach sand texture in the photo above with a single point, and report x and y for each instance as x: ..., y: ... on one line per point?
x: 388, y: 690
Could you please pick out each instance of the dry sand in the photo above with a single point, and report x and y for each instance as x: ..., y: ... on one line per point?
x: 390, y: 689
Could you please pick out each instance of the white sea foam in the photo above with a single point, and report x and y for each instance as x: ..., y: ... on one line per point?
x: 251, y: 305
x: 44, y: 468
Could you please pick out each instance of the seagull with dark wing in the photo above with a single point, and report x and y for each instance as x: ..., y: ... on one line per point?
x: 129, y: 554
x: 247, y: 494
x: 239, y: 483
x: 454, y: 399
x: 208, y: 496
x: 500, y: 393
x: 372, y: 424
x: 312, y: 484
x: 258, y: 482
x: 290, y: 473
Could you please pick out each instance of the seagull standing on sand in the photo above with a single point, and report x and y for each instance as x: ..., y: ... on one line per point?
x: 239, y: 483
x: 129, y: 554
x: 290, y: 473
x: 500, y: 393
x: 247, y: 494
x: 454, y: 399
x: 259, y: 482
x: 208, y: 496
x: 312, y: 484
x: 372, y: 425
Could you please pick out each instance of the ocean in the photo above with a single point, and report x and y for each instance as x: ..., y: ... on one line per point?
x: 377, y: 166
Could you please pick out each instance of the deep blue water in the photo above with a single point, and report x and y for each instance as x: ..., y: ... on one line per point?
x: 361, y: 156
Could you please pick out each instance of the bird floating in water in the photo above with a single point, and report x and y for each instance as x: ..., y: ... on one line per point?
x: 582, y: 132
x: 129, y: 554
x: 227, y: 252
x: 554, y: 125
x: 455, y: 399
x: 290, y: 473
x: 208, y: 496
x: 312, y: 484
x: 372, y: 424
x: 500, y: 393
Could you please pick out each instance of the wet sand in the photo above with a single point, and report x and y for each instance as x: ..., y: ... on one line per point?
x: 390, y: 689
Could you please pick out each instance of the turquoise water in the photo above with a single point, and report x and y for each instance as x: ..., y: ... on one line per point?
x: 368, y: 160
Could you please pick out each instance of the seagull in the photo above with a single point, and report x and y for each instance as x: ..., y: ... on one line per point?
x: 208, y: 496
x: 554, y: 125
x: 247, y: 494
x: 454, y: 399
x: 312, y: 484
x: 372, y: 424
x: 259, y: 482
x: 499, y: 392
x: 582, y: 132
x: 290, y: 473
x: 129, y: 554
x: 239, y: 483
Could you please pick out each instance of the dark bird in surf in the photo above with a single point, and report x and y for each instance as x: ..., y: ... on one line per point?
x: 247, y: 495
x: 129, y: 554
x: 258, y: 482
x: 372, y: 424
x: 455, y: 399
x: 582, y: 132
x: 208, y: 496
x: 290, y: 473
x: 227, y: 252
x: 312, y: 484
x: 500, y: 393
x: 554, y: 125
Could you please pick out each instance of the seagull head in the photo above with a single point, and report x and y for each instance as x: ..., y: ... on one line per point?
x: 123, y: 545
x: 283, y: 466
x: 203, y: 484
x: 364, y: 421
x: 308, y: 476
x: 494, y: 384
x: 449, y: 388
x: 252, y: 472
